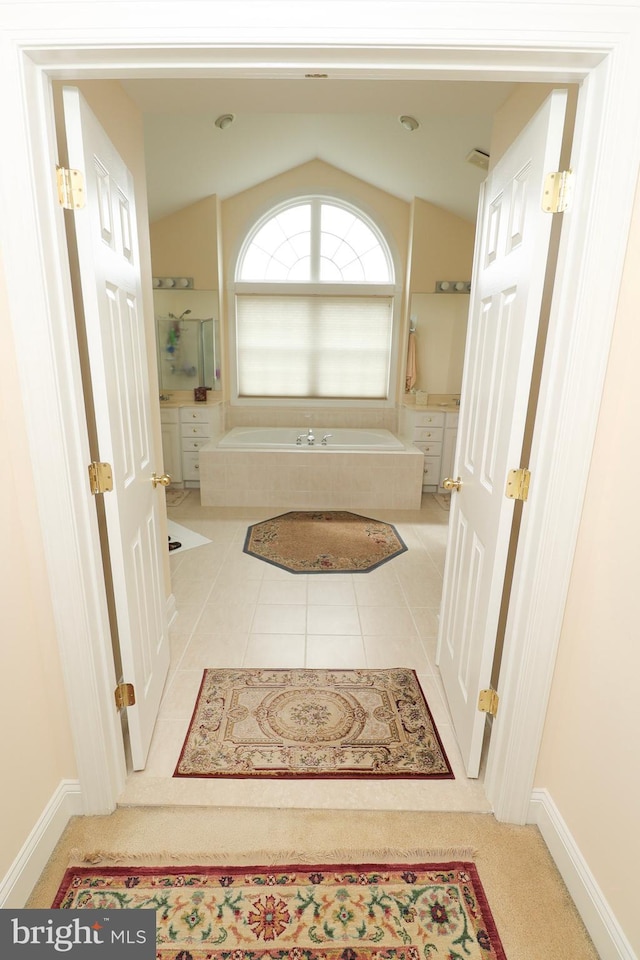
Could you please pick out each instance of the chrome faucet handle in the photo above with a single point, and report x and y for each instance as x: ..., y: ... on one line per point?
x: 325, y: 438
x: 300, y: 438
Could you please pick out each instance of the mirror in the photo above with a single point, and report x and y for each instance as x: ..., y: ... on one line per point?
x: 188, y: 339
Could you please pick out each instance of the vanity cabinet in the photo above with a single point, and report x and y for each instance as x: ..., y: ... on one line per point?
x: 434, y: 432
x: 448, y: 448
x: 171, y: 443
x: 196, y: 429
x: 185, y: 429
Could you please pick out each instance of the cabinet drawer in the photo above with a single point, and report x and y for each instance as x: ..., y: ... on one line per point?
x: 427, y: 434
x: 431, y: 471
x: 191, y: 445
x: 197, y: 414
x: 431, y: 448
x: 190, y: 466
x: 194, y: 430
x: 428, y: 419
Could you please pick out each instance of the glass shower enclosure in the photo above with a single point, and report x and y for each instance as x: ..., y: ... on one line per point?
x: 187, y: 338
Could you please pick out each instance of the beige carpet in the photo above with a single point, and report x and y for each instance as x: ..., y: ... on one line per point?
x: 324, y: 541
x: 312, y: 723
x: 534, y: 914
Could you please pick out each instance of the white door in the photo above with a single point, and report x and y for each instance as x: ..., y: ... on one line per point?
x: 110, y: 284
x: 510, y: 261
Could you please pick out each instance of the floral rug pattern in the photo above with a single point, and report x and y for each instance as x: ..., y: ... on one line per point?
x: 312, y: 723
x: 435, y: 911
x: 323, y: 541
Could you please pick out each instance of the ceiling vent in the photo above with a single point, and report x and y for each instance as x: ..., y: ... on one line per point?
x: 478, y: 158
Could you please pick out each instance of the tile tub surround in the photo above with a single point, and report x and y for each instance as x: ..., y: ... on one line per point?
x: 311, y: 478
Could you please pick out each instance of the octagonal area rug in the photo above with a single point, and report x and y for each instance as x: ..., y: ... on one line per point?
x: 312, y: 723
x: 324, y: 541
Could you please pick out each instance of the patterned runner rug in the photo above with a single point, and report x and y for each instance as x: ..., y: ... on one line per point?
x: 320, y: 912
x: 324, y: 541
x: 312, y: 723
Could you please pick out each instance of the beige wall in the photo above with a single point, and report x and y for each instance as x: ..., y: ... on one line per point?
x: 37, y: 750
x: 440, y: 321
x: 442, y: 247
x: 186, y: 244
x: 589, y: 757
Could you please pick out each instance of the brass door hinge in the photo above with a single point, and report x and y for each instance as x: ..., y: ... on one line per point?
x: 557, y: 191
x: 100, y: 477
x: 71, y: 195
x: 518, y: 484
x: 488, y: 702
x: 125, y: 695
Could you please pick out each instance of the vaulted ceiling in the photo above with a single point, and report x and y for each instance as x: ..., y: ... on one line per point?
x: 279, y: 124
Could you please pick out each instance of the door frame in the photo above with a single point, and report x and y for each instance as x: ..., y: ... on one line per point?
x: 606, y: 158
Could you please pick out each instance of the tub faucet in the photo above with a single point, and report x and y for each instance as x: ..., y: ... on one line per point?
x: 310, y: 437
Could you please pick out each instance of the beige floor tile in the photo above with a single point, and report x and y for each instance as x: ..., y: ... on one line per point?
x: 180, y: 697
x: 340, y: 652
x: 275, y: 650
x: 282, y: 591
x: 389, y: 621
x: 392, y: 651
x: 333, y: 619
x: 241, y: 592
x: 279, y: 618
x: 236, y: 610
x: 220, y: 618
x: 323, y: 589
x: 214, y: 651
x: 376, y: 593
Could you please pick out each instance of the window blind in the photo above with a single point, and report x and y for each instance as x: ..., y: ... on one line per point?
x: 313, y: 346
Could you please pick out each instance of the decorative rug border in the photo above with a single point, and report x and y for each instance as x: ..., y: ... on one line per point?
x: 463, y: 874
x: 283, y: 775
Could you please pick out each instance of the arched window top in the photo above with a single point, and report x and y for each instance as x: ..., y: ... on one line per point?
x: 315, y: 240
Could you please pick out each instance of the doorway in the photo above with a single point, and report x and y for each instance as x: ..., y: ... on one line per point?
x: 100, y: 770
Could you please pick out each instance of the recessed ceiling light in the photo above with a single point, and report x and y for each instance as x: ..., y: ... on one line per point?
x: 409, y: 123
x: 225, y: 121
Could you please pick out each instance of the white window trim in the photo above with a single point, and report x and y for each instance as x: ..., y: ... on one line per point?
x: 313, y: 288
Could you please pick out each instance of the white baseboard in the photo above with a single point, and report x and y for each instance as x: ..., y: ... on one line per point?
x: 25, y: 870
x: 605, y: 931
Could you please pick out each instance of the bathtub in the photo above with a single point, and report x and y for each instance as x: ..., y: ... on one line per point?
x: 357, y: 469
x: 284, y: 438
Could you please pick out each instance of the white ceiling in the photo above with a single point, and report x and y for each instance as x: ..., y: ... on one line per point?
x: 279, y: 124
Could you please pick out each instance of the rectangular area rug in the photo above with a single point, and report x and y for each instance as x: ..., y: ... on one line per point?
x: 312, y: 723
x: 428, y: 911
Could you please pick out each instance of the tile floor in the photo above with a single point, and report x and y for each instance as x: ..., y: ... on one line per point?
x: 237, y: 611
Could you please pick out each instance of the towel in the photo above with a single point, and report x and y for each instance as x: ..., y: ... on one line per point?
x: 410, y: 375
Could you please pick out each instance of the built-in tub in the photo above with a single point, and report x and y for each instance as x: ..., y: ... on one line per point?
x: 341, y: 438
x: 357, y: 469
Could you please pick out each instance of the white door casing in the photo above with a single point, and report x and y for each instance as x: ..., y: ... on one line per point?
x: 589, y: 47
x: 510, y: 260
x: 109, y: 266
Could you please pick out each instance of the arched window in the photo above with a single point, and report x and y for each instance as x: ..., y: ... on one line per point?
x: 314, y: 305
